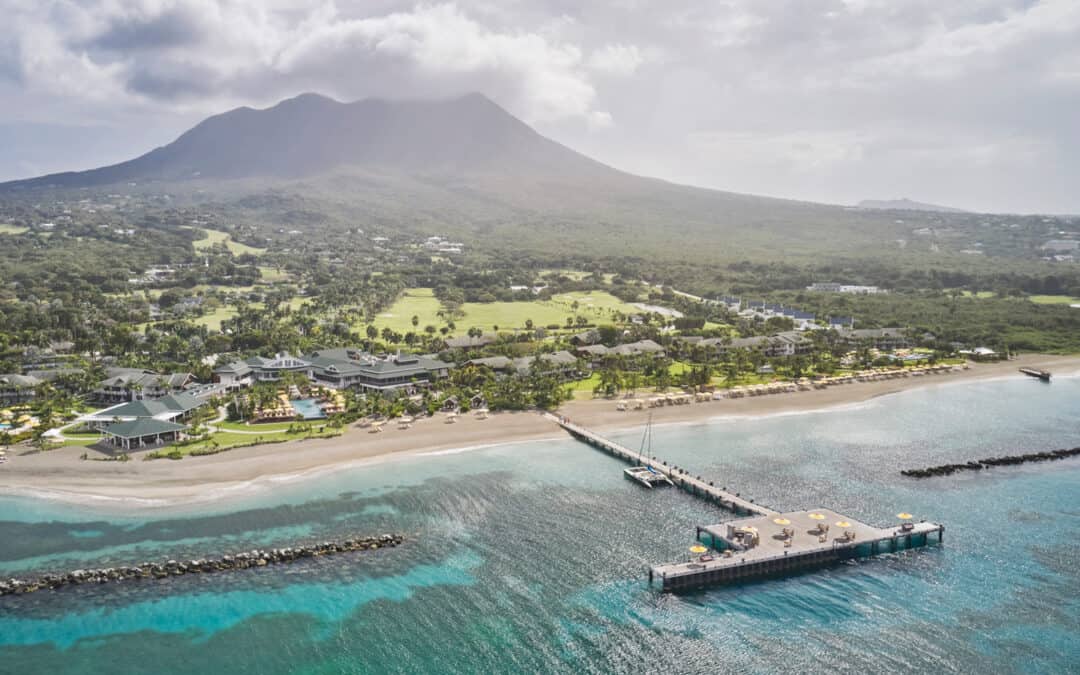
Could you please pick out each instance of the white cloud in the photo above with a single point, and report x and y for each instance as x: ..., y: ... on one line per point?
x: 198, y: 51
x: 618, y: 60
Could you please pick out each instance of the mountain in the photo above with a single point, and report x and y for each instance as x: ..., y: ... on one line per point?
x: 461, y: 167
x: 312, y: 134
x: 905, y: 205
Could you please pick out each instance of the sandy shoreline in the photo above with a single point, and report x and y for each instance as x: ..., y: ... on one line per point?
x: 137, y: 485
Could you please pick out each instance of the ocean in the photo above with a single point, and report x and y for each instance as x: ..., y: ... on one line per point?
x: 532, y: 557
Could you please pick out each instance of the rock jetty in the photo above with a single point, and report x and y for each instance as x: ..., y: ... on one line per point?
x: 176, y: 568
x: 978, y: 465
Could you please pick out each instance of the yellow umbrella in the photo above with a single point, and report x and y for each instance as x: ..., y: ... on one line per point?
x: 843, y: 523
x: 817, y: 516
x: 904, y: 516
x: 698, y: 548
x: 781, y: 521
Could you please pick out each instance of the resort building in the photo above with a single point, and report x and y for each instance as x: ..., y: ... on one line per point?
x: 16, y: 389
x: 469, y: 342
x: 884, y: 339
x: 561, y: 363
x: 145, y: 423
x: 135, y: 384
x: 339, y: 368
x: 788, y: 343
x: 831, y: 287
x: 143, y: 433
x: 171, y: 408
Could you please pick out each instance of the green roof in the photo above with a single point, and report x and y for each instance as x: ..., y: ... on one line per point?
x: 142, y: 427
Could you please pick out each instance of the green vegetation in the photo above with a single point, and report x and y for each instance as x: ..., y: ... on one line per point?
x: 217, y: 237
x: 273, y: 275
x: 597, y: 307
x: 12, y: 229
x: 1054, y: 299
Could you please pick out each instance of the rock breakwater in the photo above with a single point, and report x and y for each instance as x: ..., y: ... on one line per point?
x: 175, y: 568
x: 980, y: 464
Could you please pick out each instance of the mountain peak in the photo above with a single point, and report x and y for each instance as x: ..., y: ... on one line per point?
x: 904, y: 204
x: 312, y: 134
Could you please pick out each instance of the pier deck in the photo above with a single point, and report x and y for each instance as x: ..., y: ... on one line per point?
x: 767, y: 542
x: 679, y: 477
x: 770, y: 555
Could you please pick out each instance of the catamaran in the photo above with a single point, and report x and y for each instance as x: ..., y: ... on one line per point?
x: 643, y: 473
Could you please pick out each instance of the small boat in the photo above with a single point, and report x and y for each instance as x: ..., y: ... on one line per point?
x: 646, y: 476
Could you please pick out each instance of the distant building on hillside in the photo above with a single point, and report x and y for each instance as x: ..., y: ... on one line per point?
x: 832, y: 287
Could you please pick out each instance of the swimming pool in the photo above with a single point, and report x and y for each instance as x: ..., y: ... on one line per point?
x: 308, y: 408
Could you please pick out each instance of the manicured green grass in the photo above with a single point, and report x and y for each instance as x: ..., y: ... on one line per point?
x: 263, y: 427
x: 226, y: 439
x: 1053, y: 299
x: 212, y: 320
x: 678, y: 368
x: 510, y: 315
x: 215, y: 237
x: 272, y: 275
x: 598, y: 307
x: 12, y: 229
x: 83, y: 440
x: 420, y: 302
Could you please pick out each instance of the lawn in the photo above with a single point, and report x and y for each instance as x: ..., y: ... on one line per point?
x: 265, y: 427
x: 212, y: 320
x: 419, y: 302
x: 1054, y: 299
x: 226, y: 439
x: 214, y: 237
x: 12, y: 229
x: 272, y: 275
x: 84, y: 440
x: 598, y: 307
x: 979, y: 294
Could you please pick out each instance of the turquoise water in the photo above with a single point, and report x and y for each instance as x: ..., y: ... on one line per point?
x: 308, y: 408
x: 532, y: 558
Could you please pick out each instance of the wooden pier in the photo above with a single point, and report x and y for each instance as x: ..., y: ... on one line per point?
x: 680, y: 477
x: 763, y: 542
x: 1043, y: 375
x: 753, y: 548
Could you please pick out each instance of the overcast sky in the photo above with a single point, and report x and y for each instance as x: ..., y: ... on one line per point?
x: 968, y: 103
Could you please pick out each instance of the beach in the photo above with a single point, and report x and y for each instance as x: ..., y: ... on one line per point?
x: 61, y: 475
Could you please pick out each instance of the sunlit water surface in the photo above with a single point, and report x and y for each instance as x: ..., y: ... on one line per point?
x: 533, y: 558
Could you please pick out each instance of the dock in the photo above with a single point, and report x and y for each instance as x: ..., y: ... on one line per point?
x: 695, y: 485
x: 761, y: 542
x: 753, y: 548
x: 1043, y: 375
